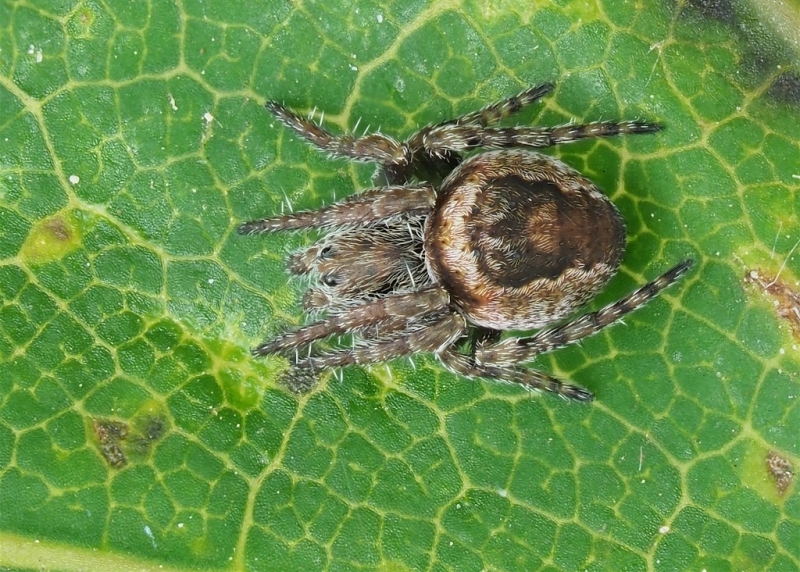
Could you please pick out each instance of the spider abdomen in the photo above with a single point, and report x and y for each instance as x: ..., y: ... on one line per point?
x: 521, y: 240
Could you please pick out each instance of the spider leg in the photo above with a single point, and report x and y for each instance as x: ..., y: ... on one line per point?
x: 431, y: 334
x: 434, y: 167
x: 445, y: 139
x: 515, y: 350
x: 534, y: 380
x: 492, y: 113
x: 499, y: 110
x: 365, y: 207
x: 405, y: 306
x: 375, y: 147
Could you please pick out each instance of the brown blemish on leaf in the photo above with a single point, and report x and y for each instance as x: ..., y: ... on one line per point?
x: 785, y: 88
x: 786, y: 300
x: 781, y: 471
x: 58, y: 229
x: 114, y: 454
x: 51, y: 239
x: 109, y: 433
x: 151, y: 431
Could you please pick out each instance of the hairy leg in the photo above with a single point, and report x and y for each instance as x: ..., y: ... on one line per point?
x: 374, y: 147
x: 534, y: 380
x: 429, y: 167
x: 512, y: 351
x: 458, y: 138
x: 499, y: 110
x: 404, y: 306
x: 368, y: 206
x: 432, y: 334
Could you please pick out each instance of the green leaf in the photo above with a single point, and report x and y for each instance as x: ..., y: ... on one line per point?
x: 136, y: 431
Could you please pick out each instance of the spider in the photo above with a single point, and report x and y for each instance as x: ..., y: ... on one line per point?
x: 506, y: 239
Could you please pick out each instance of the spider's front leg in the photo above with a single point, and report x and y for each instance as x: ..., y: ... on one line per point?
x: 431, y: 333
x: 374, y: 312
x: 512, y: 351
x: 365, y: 207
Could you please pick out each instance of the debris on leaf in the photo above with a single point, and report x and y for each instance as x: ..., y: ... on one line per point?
x: 781, y: 470
x: 110, y: 432
x: 786, y: 300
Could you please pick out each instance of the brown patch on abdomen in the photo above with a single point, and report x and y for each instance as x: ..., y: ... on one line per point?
x: 520, y: 239
x: 541, y: 231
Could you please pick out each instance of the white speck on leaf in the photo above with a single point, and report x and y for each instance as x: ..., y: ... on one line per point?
x: 149, y: 534
x: 664, y: 529
x: 74, y: 179
x: 379, y: 17
x: 208, y: 117
x: 172, y: 102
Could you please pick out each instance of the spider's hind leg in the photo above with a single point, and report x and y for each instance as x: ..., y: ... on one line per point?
x: 516, y: 350
x: 529, y: 378
x: 360, y: 317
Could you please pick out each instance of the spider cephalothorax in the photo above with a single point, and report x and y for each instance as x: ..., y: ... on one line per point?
x: 509, y: 240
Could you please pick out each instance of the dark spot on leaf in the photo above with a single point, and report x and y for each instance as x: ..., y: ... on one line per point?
x: 763, y: 50
x: 720, y: 10
x: 58, y: 229
x: 781, y: 470
x: 110, y: 430
x: 785, y: 88
x: 152, y: 430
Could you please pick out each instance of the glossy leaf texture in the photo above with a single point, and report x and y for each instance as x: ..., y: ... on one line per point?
x: 137, y: 432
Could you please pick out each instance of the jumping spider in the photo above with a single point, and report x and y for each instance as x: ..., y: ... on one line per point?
x: 509, y: 240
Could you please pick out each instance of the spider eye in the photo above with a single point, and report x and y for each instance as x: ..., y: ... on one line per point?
x: 326, y: 251
x: 330, y: 280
